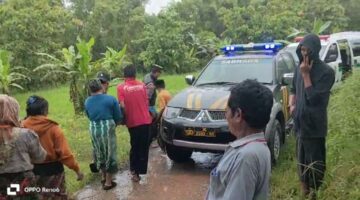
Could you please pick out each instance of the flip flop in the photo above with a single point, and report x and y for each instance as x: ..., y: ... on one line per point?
x: 109, y: 187
x: 103, y: 181
x: 135, y: 178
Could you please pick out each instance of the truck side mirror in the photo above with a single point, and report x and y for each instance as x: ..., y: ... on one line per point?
x: 190, y: 79
x: 287, y: 78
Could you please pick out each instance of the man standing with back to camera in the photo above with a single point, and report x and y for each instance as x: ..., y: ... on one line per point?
x: 309, y: 99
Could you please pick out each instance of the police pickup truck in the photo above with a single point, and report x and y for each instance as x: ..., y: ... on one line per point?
x: 194, y: 119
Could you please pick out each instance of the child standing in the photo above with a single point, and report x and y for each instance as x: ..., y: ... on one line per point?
x: 164, y: 96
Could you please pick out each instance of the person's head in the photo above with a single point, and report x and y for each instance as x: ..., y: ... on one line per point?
x: 36, y: 105
x: 156, y: 71
x: 159, y: 84
x: 249, y: 107
x: 309, y: 46
x: 9, y: 111
x: 95, y: 86
x: 9, y: 118
x: 130, y: 71
x: 305, y: 51
x: 104, y: 78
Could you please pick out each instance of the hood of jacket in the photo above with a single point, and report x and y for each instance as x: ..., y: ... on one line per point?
x: 312, y: 42
x: 40, y: 124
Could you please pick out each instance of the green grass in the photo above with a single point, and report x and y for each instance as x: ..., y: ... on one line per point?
x: 343, y: 153
x: 76, y: 127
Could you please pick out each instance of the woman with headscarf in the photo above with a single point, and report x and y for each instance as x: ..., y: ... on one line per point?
x: 19, y: 148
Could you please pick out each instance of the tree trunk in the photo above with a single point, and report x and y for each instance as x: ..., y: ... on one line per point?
x: 75, y: 96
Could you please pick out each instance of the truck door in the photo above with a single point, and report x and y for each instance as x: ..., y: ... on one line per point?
x: 333, y: 59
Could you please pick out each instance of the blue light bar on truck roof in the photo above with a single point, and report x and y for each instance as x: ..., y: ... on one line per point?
x: 274, y: 47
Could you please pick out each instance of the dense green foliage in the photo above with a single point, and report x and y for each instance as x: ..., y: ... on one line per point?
x: 9, y: 78
x: 31, y: 26
x: 181, y: 38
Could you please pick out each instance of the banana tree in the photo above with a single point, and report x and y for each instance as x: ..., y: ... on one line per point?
x: 318, y: 28
x: 8, y: 76
x: 113, y: 60
x: 76, y: 66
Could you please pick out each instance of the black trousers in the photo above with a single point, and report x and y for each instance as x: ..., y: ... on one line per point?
x: 154, y: 130
x: 311, y: 155
x: 139, y: 151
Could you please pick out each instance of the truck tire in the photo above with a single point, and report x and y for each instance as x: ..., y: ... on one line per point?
x: 178, y: 154
x: 275, y: 141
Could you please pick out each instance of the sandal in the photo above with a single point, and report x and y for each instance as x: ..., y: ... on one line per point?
x: 135, y: 178
x: 109, y: 187
x: 104, y: 180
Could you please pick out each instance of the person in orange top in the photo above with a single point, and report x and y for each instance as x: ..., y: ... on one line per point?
x: 163, y: 96
x: 50, y: 173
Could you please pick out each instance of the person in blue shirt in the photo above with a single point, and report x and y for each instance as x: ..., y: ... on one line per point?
x: 104, y: 114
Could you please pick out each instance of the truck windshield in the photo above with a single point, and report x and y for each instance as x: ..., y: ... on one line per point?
x: 237, y: 70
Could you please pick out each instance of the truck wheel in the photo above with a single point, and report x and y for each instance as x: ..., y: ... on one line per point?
x: 178, y: 154
x: 275, y: 141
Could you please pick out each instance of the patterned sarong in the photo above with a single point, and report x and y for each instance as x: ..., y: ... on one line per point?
x: 103, y: 139
x: 53, y: 187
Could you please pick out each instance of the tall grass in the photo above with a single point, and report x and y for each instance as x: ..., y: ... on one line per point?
x: 343, y: 155
x: 76, y: 127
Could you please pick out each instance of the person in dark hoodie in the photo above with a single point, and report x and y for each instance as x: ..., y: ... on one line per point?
x: 308, y: 103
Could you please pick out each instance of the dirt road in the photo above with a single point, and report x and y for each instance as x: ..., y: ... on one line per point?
x: 165, y: 180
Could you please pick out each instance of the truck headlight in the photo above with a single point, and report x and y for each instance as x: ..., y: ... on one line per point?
x: 171, y: 112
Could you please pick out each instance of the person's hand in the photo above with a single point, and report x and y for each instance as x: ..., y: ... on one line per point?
x: 292, y: 109
x: 80, y: 176
x: 306, y: 65
x: 150, y: 86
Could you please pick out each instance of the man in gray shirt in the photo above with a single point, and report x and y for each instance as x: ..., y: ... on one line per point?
x: 244, y: 171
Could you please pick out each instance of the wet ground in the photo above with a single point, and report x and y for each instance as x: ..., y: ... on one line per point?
x: 165, y: 180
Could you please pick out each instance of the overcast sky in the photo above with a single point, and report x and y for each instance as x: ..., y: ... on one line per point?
x: 154, y: 6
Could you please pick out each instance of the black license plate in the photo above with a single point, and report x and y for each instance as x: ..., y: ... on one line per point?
x: 199, y: 132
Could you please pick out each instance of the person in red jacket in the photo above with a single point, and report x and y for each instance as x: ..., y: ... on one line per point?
x: 133, y: 99
x: 50, y: 173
